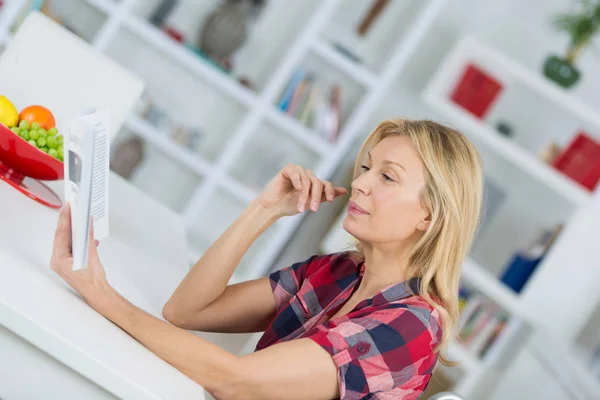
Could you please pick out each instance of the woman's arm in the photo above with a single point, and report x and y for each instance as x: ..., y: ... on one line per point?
x: 203, y: 301
x: 299, y: 369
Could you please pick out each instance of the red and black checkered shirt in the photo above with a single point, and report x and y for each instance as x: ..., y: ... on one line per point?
x: 383, y: 348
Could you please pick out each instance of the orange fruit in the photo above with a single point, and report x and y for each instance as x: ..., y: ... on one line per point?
x: 38, y: 114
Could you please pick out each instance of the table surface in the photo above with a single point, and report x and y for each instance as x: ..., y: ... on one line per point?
x: 145, y: 259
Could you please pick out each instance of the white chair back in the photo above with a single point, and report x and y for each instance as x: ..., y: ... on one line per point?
x: 48, y: 65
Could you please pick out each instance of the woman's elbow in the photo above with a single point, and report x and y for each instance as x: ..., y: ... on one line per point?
x: 236, y: 383
x: 172, y: 315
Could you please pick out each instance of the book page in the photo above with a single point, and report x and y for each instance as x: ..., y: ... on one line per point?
x: 100, y: 174
x: 86, y: 180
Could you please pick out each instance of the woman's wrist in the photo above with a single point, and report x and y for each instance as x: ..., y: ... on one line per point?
x: 103, y: 297
x: 263, y: 213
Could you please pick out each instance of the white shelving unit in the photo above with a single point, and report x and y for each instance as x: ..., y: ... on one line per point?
x: 537, y: 194
x: 436, y: 95
x: 254, y: 110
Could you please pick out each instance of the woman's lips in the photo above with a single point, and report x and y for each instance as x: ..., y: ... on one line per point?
x: 355, y: 209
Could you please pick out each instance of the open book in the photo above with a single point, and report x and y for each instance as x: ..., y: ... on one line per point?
x: 86, y: 163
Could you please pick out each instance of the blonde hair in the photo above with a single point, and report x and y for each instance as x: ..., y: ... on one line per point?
x: 453, y: 195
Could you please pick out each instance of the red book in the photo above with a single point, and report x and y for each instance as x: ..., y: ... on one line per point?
x: 581, y: 161
x: 476, y: 91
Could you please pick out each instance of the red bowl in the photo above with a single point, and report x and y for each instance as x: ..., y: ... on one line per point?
x: 26, y: 159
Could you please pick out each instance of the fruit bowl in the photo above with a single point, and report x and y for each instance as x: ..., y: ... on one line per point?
x: 23, y: 158
x: 21, y: 164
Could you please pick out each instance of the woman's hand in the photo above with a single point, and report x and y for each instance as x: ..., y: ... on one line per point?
x: 89, y: 282
x: 295, y: 189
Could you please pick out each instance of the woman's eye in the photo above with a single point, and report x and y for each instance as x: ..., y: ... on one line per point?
x: 364, y: 168
x: 387, y: 178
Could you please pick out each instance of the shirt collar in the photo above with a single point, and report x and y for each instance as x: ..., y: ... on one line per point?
x: 394, y: 292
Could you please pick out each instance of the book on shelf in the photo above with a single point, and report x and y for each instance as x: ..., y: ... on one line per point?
x: 313, y: 104
x: 480, y: 324
x: 476, y: 90
x: 300, y: 95
x: 580, y: 161
x: 288, y: 92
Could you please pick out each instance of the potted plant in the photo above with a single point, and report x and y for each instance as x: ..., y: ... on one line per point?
x: 581, y: 27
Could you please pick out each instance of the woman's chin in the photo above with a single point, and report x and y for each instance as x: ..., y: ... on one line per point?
x: 349, y: 226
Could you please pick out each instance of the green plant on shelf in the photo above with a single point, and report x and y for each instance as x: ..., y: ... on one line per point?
x: 581, y: 26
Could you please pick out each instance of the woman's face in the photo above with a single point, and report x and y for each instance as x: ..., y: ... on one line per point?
x: 388, y: 190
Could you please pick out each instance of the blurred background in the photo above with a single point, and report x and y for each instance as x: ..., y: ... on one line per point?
x: 237, y: 89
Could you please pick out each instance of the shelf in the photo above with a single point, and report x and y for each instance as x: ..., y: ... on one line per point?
x: 349, y: 67
x: 456, y: 352
x: 186, y: 58
x: 106, y: 6
x: 492, y: 288
x: 269, y: 150
x: 240, y: 190
x: 163, y: 143
x: 5, y: 40
x: 536, y: 81
x: 299, y: 132
x: 508, y: 149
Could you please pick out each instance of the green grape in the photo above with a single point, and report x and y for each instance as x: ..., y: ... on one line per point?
x: 32, y: 142
x: 24, y: 135
x: 60, y: 139
x: 16, y: 130
x: 35, y: 125
x: 60, y: 152
x: 24, y: 124
x: 42, y: 133
x: 53, y: 153
x: 41, y: 142
x: 52, y: 131
x: 51, y: 142
x: 33, y: 134
x: 44, y: 149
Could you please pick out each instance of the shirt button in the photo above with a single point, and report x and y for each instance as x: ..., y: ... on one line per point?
x: 361, y: 348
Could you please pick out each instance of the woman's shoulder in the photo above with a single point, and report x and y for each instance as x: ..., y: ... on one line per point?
x: 428, y: 315
x: 337, y: 264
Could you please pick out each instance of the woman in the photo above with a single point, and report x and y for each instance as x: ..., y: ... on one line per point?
x: 363, y: 324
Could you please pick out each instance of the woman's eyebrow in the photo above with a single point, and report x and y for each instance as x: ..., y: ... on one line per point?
x: 388, y: 162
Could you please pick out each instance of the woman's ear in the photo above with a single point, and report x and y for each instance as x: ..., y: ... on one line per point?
x: 425, y: 222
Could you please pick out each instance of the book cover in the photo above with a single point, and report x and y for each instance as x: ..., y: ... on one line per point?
x: 580, y: 161
x: 476, y: 91
x: 335, y: 109
x: 287, y: 94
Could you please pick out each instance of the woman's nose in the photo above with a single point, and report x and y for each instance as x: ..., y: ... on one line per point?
x: 360, y: 184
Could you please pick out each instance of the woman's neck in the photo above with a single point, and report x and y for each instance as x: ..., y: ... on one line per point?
x: 383, y: 268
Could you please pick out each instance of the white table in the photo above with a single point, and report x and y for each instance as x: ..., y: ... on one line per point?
x: 52, y: 345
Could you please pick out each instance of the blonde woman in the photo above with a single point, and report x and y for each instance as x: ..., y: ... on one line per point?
x: 365, y: 324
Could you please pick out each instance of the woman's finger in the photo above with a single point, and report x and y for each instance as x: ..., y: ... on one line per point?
x: 329, y: 191
x: 63, y: 233
x: 315, y: 191
x: 304, y: 193
x: 292, y: 174
x: 92, y: 246
x: 340, y: 191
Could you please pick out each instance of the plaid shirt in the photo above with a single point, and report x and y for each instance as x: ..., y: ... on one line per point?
x: 383, y: 348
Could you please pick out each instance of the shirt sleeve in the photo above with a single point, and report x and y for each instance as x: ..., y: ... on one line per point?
x: 382, y: 353
x: 286, y: 282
